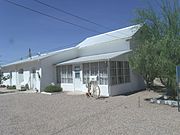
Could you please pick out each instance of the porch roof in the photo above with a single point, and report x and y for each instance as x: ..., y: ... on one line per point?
x: 93, y: 58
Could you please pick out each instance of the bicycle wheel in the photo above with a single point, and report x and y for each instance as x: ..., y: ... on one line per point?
x: 91, y: 90
x: 96, y: 91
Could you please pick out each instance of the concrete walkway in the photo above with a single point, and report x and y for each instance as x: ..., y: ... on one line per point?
x: 13, y: 91
x: 75, y: 93
x: 5, y: 90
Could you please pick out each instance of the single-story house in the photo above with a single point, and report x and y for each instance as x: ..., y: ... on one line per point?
x: 105, y: 56
x: 37, y: 71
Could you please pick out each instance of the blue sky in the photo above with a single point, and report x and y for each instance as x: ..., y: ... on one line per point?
x: 21, y: 29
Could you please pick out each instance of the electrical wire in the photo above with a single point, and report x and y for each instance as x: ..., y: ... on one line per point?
x: 50, y: 16
x: 59, y: 19
x: 76, y: 16
x: 68, y: 13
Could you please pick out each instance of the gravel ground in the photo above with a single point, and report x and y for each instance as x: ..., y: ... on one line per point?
x: 38, y: 114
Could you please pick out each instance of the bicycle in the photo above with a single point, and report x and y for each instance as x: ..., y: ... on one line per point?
x: 93, y: 89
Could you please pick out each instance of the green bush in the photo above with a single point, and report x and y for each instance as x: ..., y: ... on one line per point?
x: 53, y: 88
x: 2, y: 86
x: 11, y: 87
x: 23, y: 88
x: 26, y: 87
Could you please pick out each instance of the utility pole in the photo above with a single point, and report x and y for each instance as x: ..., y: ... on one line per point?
x: 30, y: 55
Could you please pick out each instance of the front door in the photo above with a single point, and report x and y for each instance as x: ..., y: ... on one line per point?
x: 33, y: 79
x: 77, y: 78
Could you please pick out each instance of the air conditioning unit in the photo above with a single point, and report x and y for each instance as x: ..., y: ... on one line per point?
x: 93, y: 78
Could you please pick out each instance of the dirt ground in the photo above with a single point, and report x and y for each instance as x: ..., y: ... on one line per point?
x: 38, y: 114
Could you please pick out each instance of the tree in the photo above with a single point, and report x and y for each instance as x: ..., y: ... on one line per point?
x: 158, y: 50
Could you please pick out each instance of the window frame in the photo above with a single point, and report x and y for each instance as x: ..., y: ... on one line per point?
x: 64, y: 74
x: 93, y: 68
x: 121, y: 73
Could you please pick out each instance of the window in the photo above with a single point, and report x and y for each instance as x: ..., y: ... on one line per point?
x: 119, y: 72
x: 21, y: 71
x: 97, y: 69
x: 86, y: 72
x: 77, y: 71
x: 58, y: 74
x: 94, y: 68
x: 77, y: 74
x: 103, y: 77
x: 33, y: 73
x: 21, y: 76
x: 69, y: 78
x: 77, y: 68
x: 64, y: 74
x: 126, y: 71
x: 10, y: 76
x: 113, y: 73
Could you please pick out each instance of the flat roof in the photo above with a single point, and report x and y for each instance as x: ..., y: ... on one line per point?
x: 37, y: 57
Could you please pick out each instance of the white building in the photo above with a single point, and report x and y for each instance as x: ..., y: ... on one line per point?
x: 104, y: 56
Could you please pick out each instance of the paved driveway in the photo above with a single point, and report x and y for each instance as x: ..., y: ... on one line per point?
x: 37, y: 114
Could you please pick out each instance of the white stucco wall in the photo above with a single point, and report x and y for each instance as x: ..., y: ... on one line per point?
x: 107, y: 47
x: 49, y: 69
x: 71, y: 86
x: 114, y: 46
x: 27, y: 67
x: 67, y: 86
x: 13, y: 78
x: 7, y: 82
x: 136, y: 81
x: 135, y: 84
x: 103, y: 89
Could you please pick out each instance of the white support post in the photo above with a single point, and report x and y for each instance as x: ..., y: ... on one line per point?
x: 109, y: 85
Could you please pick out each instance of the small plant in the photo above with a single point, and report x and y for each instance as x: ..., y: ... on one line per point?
x: 2, y: 86
x: 4, y: 78
x: 11, y: 87
x: 24, y: 87
x: 27, y: 87
x: 53, y: 88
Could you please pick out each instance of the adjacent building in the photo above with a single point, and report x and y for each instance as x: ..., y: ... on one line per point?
x: 105, y: 56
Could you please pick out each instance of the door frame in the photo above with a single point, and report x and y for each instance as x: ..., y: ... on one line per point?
x: 80, y: 76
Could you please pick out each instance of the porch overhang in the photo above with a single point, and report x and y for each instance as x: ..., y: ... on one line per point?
x: 94, y: 58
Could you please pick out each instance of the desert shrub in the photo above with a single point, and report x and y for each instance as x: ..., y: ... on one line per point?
x: 26, y: 87
x: 11, y: 87
x: 53, y: 88
x: 2, y: 86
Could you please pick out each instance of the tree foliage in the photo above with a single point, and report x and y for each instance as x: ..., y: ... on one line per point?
x: 158, y: 50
